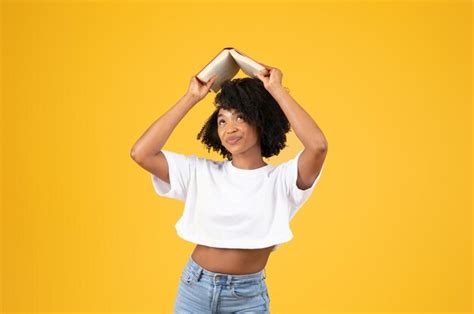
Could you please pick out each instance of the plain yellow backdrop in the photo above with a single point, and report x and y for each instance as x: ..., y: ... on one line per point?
x: 388, y: 228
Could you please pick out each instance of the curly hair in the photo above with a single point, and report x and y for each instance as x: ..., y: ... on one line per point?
x: 249, y: 97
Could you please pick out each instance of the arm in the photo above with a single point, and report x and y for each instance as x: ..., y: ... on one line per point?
x: 147, y: 150
x: 305, y: 127
x: 311, y: 160
x: 155, y: 137
x: 313, y: 139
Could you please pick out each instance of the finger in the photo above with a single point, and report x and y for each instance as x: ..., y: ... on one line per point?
x: 260, y: 76
x: 266, y: 66
x: 264, y: 72
x: 212, y: 79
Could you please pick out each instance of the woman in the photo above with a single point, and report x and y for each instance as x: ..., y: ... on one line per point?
x: 238, y: 210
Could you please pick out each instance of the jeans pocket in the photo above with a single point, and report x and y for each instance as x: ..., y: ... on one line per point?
x: 187, y: 277
x: 246, y: 290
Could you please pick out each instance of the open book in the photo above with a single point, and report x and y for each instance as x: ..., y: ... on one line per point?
x: 226, y: 65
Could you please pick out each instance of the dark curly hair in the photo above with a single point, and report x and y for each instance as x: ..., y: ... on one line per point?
x: 249, y: 97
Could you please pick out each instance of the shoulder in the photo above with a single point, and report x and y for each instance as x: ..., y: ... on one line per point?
x: 204, y: 162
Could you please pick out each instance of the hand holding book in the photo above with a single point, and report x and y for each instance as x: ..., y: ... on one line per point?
x: 273, y: 80
x: 199, y: 90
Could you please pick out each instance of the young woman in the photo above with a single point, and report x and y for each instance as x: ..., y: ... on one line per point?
x: 238, y: 210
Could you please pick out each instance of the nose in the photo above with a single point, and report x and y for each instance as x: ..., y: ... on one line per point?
x: 231, y: 127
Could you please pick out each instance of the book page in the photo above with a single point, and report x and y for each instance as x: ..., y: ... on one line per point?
x: 226, y: 65
x: 248, y: 66
x: 223, y: 65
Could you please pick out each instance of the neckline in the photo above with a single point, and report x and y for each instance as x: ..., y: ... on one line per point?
x: 234, y: 169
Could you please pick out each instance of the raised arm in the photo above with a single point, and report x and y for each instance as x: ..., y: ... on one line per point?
x: 155, y: 137
x: 308, y: 132
x: 147, y: 150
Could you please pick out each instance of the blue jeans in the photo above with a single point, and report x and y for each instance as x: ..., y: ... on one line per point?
x: 204, y: 291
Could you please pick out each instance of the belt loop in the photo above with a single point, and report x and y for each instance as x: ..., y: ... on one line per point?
x: 201, y: 270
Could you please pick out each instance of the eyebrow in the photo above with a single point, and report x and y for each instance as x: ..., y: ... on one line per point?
x: 221, y: 115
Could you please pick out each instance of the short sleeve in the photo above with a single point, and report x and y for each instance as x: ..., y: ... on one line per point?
x: 297, y: 196
x: 181, y: 168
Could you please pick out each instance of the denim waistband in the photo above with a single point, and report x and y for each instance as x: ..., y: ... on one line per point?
x: 201, y: 273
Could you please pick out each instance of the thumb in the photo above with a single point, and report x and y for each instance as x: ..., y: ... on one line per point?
x: 259, y: 74
x: 213, y: 78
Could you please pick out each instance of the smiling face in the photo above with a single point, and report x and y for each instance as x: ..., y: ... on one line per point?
x: 236, y: 134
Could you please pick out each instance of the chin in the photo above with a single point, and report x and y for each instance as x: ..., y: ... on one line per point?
x: 231, y: 149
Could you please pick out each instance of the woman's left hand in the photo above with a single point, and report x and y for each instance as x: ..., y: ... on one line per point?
x: 271, y: 78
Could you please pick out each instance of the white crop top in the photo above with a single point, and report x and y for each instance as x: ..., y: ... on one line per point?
x: 230, y: 207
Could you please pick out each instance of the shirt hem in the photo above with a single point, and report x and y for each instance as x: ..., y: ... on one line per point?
x: 217, y: 244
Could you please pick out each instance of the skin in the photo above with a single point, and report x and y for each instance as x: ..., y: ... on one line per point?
x: 231, y: 261
x: 246, y: 153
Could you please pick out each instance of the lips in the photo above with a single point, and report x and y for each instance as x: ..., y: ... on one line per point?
x: 233, y: 139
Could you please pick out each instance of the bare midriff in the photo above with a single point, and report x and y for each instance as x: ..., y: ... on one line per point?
x: 231, y: 261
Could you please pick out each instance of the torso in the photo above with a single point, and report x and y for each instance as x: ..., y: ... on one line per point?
x: 231, y: 261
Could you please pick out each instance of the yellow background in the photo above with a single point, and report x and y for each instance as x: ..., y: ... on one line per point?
x: 388, y: 228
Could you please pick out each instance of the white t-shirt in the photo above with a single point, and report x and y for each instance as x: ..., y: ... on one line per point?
x: 230, y: 207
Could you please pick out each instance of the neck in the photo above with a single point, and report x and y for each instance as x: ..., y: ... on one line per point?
x: 248, y: 160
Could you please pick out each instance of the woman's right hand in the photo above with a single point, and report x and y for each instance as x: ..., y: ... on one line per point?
x: 198, y: 90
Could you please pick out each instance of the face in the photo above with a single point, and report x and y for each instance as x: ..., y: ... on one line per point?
x: 231, y: 125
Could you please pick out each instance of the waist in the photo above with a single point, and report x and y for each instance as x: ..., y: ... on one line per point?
x: 231, y: 261
x: 196, y: 271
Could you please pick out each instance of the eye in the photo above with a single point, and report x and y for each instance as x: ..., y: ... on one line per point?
x: 238, y: 116
x: 241, y: 117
